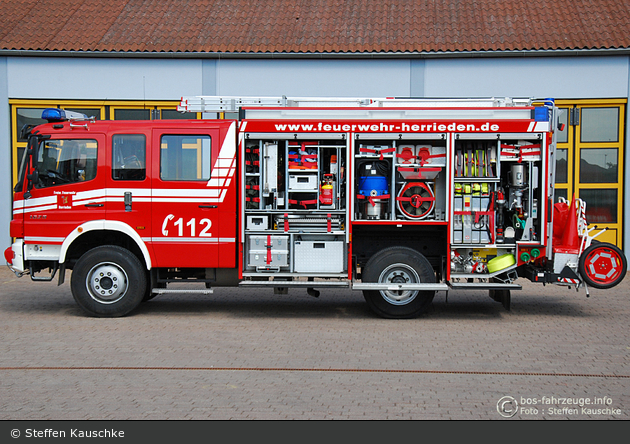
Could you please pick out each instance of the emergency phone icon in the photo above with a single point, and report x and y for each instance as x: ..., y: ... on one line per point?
x: 165, y: 224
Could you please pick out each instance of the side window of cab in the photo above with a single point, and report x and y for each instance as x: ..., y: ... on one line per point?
x: 129, y: 157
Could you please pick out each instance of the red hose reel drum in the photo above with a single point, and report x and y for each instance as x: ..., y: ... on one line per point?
x: 416, y: 200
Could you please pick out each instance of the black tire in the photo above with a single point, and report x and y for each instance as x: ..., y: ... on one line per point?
x: 503, y: 296
x: 602, y: 265
x: 403, y: 265
x: 148, y: 293
x: 108, y: 281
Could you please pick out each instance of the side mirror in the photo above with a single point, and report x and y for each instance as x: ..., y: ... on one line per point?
x: 31, y: 152
x: 32, y: 178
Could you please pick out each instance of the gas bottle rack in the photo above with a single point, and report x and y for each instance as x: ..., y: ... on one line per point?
x: 400, y: 178
x: 486, y: 227
x: 295, y: 226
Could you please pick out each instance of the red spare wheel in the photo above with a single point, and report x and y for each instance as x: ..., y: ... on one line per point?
x: 602, y: 265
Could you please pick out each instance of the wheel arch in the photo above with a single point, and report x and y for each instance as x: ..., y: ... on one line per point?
x: 430, y: 241
x: 104, y: 232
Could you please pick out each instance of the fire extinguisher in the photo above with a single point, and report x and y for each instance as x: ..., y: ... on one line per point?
x: 326, y: 191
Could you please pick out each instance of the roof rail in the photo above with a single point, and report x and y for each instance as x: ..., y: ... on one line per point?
x: 220, y: 104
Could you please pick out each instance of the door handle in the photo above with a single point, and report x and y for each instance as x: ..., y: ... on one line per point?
x: 207, y: 206
x: 127, y: 201
x: 93, y: 205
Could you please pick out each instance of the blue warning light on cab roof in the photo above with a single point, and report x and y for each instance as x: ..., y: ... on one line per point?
x: 60, y: 115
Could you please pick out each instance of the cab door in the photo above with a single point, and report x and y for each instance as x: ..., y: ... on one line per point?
x: 189, y: 196
x: 67, y: 189
x: 129, y: 184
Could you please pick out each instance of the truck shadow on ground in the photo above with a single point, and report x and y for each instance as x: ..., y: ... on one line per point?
x: 353, y: 305
x: 337, y: 304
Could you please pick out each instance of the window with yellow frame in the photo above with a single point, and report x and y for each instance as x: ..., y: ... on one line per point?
x: 590, y: 161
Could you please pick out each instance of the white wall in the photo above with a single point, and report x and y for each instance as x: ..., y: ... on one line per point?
x: 102, y: 78
x: 541, y: 77
x: 346, y: 78
x: 169, y: 79
x: 6, y: 193
x: 626, y: 212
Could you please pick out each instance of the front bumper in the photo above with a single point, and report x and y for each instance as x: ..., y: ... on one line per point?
x: 14, y: 256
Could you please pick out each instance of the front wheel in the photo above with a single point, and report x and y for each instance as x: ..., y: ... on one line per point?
x: 108, y: 281
x: 398, y: 265
x: 602, y: 265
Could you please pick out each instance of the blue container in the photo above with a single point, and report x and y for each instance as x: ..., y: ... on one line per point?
x: 369, y: 183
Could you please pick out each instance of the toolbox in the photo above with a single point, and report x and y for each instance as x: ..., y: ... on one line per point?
x: 268, y: 251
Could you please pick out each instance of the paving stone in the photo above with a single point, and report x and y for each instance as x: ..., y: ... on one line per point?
x: 250, y: 354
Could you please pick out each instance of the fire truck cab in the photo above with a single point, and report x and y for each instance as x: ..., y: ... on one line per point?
x: 399, y: 198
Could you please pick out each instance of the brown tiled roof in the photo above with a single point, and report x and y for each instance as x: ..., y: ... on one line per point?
x: 313, y: 26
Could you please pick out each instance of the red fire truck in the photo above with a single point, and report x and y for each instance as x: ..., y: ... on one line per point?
x: 399, y: 198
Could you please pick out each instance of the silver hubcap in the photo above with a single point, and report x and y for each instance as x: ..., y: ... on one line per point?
x: 399, y: 274
x: 107, y: 283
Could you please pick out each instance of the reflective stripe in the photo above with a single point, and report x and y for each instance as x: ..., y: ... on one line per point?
x: 57, y: 240
x: 220, y: 240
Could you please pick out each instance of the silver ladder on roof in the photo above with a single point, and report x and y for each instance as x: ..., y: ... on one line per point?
x: 219, y: 104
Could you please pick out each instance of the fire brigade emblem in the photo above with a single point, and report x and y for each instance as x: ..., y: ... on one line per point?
x: 64, y: 201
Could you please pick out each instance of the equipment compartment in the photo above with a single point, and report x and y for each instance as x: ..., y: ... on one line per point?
x: 496, y: 214
x: 401, y: 178
x: 295, y: 206
x: 319, y: 256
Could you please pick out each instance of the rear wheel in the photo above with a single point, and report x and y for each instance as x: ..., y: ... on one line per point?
x: 602, y: 265
x: 503, y: 296
x: 398, y: 265
x: 108, y: 281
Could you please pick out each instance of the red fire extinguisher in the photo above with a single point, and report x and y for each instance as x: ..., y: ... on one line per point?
x: 326, y: 190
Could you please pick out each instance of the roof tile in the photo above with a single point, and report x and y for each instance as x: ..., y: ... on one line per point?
x: 313, y: 26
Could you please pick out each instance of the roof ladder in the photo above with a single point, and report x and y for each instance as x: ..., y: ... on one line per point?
x: 220, y: 104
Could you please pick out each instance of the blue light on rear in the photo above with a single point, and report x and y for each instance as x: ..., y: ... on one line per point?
x: 541, y: 114
x: 53, y: 115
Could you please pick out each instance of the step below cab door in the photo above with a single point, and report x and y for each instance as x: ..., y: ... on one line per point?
x: 193, y: 191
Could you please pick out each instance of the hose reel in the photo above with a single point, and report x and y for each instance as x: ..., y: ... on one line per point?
x: 416, y: 200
